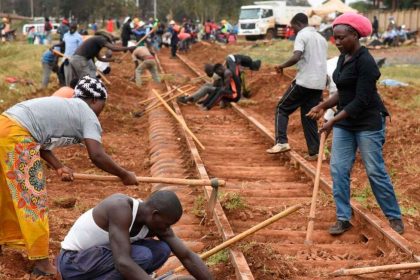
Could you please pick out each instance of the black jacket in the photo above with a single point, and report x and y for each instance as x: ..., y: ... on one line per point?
x: 358, y: 96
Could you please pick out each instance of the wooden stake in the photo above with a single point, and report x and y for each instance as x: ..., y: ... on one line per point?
x: 310, y: 230
x: 373, y: 269
x: 184, y: 125
x: 246, y: 233
x: 175, y: 181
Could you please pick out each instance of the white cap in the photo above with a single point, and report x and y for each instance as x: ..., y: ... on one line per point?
x: 171, y: 22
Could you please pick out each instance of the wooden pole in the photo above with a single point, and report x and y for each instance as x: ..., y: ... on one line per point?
x: 373, y: 269
x: 103, y: 77
x: 167, y: 100
x: 163, y: 94
x: 175, y: 181
x: 246, y: 233
x: 310, y: 230
x: 139, y: 41
x: 184, y: 125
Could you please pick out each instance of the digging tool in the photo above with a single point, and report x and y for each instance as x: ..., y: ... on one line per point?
x: 175, y: 181
x: 373, y: 269
x: 239, y: 237
x: 212, y: 200
x: 183, y: 124
x: 310, y: 230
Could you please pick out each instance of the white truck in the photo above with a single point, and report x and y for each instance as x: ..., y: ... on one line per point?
x: 269, y: 19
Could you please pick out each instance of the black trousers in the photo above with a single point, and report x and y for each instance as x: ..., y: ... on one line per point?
x: 297, y: 96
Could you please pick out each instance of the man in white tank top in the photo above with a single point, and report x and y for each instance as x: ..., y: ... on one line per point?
x: 115, y: 240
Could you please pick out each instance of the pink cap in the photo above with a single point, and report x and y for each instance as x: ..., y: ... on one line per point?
x: 361, y: 24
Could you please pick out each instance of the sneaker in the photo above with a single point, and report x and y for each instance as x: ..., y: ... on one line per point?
x: 182, y: 99
x: 340, y: 227
x: 311, y: 158
x: 397, y: 225
x: 279, y: 148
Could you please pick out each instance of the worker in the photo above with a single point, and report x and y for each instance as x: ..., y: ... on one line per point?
x: 29, y: 131
x: 310, y: 55
x: 49, y: 64
x: 71, y: 41
x: 174, y: 30
x: 359, y: 123
x: 115, y: 240
x: 110, y: 25
x: 82, y: 61
x: 144, y: 60
x: 126, y: 31
x: 63, y: 29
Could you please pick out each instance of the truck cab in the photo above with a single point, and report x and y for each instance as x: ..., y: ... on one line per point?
x: 269, y: 19
x: 257, y: 21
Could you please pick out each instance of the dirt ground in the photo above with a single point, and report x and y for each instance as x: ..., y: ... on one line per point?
x: 126, y: 139
x: 402, y: 140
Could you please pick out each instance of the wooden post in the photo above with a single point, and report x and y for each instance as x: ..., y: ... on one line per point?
x: 310, y: 230
x: 374, y: 269
x: 175, y: 181
x: 184, y: 125
x: 246, y: 233
x: 167, y: 100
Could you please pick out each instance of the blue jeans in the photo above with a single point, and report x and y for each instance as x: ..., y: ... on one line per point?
x: 98, y: 263
x: 370, y: 143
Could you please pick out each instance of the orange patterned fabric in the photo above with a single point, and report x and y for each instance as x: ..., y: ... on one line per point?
x: 23, y: 195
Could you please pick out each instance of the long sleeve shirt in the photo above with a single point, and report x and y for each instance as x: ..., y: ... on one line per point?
x: 357, y: 93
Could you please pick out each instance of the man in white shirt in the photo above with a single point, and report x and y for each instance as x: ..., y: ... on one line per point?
x: 310, y: 55
x: 115, y: 240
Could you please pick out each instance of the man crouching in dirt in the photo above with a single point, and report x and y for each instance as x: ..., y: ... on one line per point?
x: 114, y: 240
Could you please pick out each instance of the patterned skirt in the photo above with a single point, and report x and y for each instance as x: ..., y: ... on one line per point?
x: 23, y: 195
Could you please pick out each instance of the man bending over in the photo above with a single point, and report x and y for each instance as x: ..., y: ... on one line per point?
x: 115, y: 240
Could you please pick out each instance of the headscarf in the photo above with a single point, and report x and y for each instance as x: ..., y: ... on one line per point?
x: 358, y: 22
x: 89, y: 87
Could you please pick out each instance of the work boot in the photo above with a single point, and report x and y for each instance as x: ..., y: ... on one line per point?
x: 340, y: 227
x: 397, y: 225
x: 256, y: 65
x: 279, y: 148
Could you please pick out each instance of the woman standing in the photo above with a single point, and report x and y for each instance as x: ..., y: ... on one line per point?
x: 28, y: 132
x: 358, y: 124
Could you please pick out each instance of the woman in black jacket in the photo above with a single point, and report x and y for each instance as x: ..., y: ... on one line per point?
x: 358, y: 124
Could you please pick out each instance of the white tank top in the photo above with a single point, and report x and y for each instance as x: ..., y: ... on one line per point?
x: 85, y: 233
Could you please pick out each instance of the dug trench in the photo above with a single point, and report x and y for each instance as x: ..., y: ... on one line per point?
x: 266, y: 185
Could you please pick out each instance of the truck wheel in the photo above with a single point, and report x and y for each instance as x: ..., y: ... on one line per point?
x: 270, y: 34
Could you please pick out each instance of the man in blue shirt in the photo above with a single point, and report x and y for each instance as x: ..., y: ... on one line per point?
x: 71, y: 41
x: 49, y: 64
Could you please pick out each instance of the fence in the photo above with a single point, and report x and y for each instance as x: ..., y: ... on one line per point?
x: 410, y: 18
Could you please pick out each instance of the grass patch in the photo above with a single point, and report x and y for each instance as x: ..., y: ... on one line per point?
x: 232, y: 201
x: 411, y: 211
x: 220, y: 257
x: 277, y: 51
x: 198, y: 208
x: 362, y: 196
x: 23, y: 62
x: 406, y: 73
